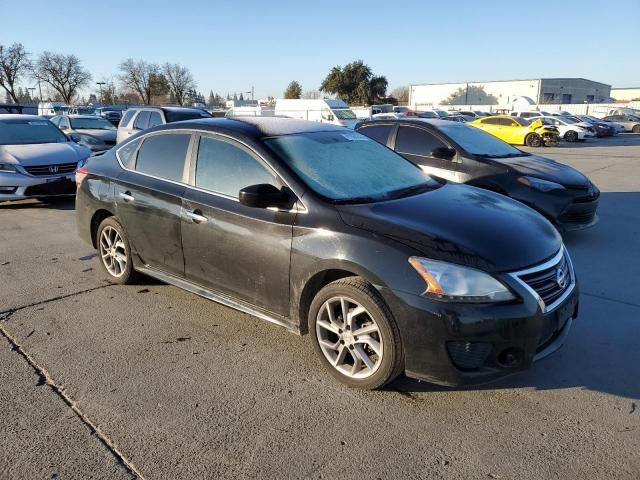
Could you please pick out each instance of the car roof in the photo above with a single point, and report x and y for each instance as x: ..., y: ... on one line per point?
x: 257, y: 126
x: 20, y: 116
x: 77, y: 115
x: 434, y: 122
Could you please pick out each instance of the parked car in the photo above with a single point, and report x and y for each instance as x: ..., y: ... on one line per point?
x: 631, y: 123
x: 420, y: 114
x: 517, y: 130
x: 36, y: 159
x: 469, y: 113
x: 96, y: 133
x: 322, y: 230
x: 569, y: 129
x: 142, y: 118
x: 110, y: 113
x: 601, y: 129
x: 530, y: 114
x: 463, y: 154
x: 386, y: 115
x: 459, y: 118
x: 615, y: 127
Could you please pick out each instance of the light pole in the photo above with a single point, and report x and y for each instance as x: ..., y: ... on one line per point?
x: 31, y: 90
x: 100, y: 84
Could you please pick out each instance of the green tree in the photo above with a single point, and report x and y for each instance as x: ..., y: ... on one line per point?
x: 294, y: 90
x: 355, y: 83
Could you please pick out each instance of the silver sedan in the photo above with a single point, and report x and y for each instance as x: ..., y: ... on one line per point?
x: 36, y: 159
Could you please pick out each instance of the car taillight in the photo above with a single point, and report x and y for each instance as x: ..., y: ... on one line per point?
x: 81, y: 174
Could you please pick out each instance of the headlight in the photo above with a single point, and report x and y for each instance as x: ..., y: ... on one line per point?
x: 88, y: 139
x: 7, y: 167
x: 539, y: 184
x: 450, y: 282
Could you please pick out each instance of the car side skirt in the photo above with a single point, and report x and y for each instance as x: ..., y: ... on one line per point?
x: 220, y: 298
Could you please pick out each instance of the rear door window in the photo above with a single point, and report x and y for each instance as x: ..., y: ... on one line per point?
x: 142, y: 120
x: 155, y: 119
x: 379, y: 133
x: 163, y: 156
x: 225, y: 167
x: 416, y: 141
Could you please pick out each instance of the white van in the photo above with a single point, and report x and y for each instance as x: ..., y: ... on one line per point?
x: 326, y: 111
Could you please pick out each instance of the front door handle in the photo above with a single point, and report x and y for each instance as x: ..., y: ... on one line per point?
x: 196, y: 216
x: 126, y: 196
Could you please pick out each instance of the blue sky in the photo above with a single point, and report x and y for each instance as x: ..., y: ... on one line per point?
x: 230, y: 46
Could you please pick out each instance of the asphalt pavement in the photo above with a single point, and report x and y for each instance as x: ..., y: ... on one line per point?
x: 149, y: 381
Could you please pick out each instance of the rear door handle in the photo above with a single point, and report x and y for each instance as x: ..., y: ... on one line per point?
x: 126, y: 196
x: 196, y: 216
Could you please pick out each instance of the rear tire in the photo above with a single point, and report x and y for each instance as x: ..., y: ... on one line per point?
x: 571, y: 136
x: 636, y: 129
x: 533, y: 140
x: 114, y: 252
x: 363, y: 350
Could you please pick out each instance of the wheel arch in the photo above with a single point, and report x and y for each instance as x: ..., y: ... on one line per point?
x: 96, y: 220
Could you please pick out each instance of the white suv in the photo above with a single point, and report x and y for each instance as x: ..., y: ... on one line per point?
x: 141, y: 118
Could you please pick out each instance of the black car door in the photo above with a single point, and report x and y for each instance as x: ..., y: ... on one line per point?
x: 417, y: 144
x: 236, y: 250
x: 148, y: 194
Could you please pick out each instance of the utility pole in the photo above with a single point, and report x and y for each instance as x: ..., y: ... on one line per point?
x: 31, y: 90
x: 100, y: 84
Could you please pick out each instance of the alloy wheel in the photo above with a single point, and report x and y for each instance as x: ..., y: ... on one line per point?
x: 113, y: 251
x: 349, y: 337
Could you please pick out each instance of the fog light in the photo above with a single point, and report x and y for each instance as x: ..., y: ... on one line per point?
x: 510, y: 357
x: 468, y: 355
x: 8, y: 189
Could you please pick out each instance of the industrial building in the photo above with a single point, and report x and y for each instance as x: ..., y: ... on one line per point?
x: 502, y: 92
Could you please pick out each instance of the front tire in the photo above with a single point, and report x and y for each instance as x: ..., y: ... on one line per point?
x: 533, y: 140
x: 114, y: 252
x: 571, y: 136
x: 636, y: 129
x: 355, y: 334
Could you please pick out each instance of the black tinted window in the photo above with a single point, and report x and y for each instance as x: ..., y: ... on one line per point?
x: 416, y: 141
x: 163, y: 156
x: 155, y: 119
x: 178, y: 116
x: 379, y: 133
x: 226, y: 168
x: 142, y: 120
x: 491, y: 121
x: 127, y: 117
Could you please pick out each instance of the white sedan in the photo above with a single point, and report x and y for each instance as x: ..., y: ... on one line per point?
x: 569, y: 129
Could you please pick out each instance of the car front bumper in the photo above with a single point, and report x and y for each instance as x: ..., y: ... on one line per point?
x: 465, y: 344
x: 18, y: 186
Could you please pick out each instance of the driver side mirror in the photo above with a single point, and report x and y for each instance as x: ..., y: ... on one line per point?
x: 74, y: 137
x: 445, y: 153
x: 265, y: 195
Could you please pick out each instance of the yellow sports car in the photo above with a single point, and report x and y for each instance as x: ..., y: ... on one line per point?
x: 517, y: 130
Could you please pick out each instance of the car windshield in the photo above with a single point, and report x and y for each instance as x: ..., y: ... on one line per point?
x: 344, y: 114
x: 567, y: 119
x: 479, y: 142
x: 441, y: 113
x: 96, y: 123
x: 348, y: 167
x: 29, y: 131
x: 178, y: 116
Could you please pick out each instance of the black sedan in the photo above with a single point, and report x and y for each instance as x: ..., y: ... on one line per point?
x: 320, y: 229
x: 463, y: 154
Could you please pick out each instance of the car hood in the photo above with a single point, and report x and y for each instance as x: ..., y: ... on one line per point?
x: 546, y: 169
x: 43, y: 153
x: 462, y: 224
x: 104, y: 135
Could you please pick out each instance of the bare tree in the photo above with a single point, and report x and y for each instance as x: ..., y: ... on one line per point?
x: 145, y: 79
x: 180, y: 81
x: 401, y: 94
x: 63, y: 73
x: 14, y: 62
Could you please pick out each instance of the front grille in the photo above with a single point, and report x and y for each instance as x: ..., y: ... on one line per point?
x: 550, y: 282
x: 110, y: 142
x: 579, y: 212
x: 59, y: 169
